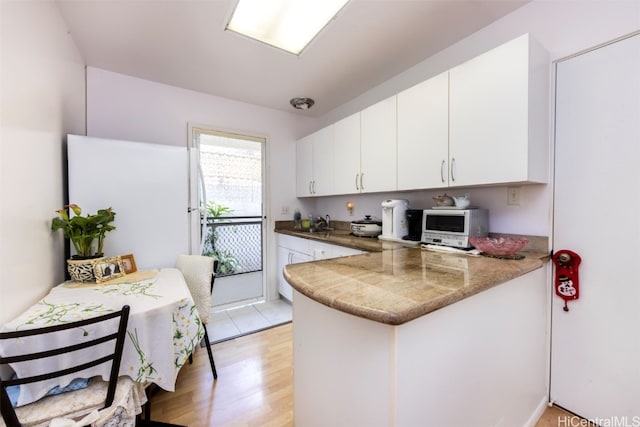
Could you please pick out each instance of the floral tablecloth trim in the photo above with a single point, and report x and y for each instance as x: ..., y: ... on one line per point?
x: 184, y: 341
x: 47, y: 313
x: 145, y: 370
x: 133, y: 289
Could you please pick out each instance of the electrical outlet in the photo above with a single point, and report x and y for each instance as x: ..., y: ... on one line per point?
x: 285, y: 210
x: 513, y: 196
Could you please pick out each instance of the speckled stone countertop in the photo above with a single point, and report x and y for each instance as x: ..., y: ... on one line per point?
x: 394, y: 284
x: 344, y: 238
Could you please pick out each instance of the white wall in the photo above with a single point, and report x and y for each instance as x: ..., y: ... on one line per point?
x: 563, y: 27
x: 42, y: 99
x: 124, y: 107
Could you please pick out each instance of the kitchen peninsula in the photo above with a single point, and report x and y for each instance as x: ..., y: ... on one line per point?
x: 407, y: 337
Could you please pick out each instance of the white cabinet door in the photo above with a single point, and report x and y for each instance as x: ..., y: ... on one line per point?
x: 322, y: 182
x: 294, y: 250
x: 346, y: 155
x: 284, y: 288
x: 423, y: 135
x: 304, y: 166
x: 295, y: 243
x: 293, y: 258
x: 291, y: 250
x: 596, y: 344
x: 378, y: 147
x: 285, y: 257
x: 497, y: 116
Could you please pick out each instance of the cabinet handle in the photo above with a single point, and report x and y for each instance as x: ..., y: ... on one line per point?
x: 314, y: 186
x: 357, y: 188
x: 453, y: 167
x: 310, y: 190
x: 442, y: 171
x: 362, y: 181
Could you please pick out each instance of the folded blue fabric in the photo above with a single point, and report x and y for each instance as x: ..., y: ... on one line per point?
x: 77, y: 384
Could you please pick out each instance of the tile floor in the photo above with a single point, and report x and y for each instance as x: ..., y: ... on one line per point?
x: 234, y: 322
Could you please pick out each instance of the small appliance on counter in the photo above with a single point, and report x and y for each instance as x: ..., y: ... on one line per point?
x: 453, y: 227
x: 394, y: 220
x: 414, y: 225
x: 366, y: 227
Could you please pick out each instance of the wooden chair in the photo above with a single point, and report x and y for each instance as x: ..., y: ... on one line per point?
x: 71, y: 405
x: 199, y: 273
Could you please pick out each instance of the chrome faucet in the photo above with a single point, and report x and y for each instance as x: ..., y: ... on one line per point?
x: 323, y: 223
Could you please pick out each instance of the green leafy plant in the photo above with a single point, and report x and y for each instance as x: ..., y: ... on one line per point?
x: 227, y: 263
x: 84, y: 230
x: 216, y: 210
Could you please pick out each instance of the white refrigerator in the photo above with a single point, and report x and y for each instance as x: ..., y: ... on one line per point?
x: 152, y: 189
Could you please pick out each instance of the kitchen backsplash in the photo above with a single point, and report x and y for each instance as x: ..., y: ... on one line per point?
x: 530, y: 217
x: 537, y: 244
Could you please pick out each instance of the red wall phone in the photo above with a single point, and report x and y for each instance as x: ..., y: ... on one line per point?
x: 567, y: 282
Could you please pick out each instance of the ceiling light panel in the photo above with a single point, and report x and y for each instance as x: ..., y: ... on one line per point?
x: 286, y: 24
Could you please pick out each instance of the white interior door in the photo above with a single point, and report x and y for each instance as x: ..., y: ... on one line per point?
x: 595, y: 359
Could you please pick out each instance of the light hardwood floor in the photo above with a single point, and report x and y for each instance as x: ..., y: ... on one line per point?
x: 254, y: 386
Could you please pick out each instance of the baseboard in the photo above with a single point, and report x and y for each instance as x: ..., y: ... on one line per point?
x: 535, y: 416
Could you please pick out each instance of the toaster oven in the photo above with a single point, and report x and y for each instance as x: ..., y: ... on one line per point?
x: 453, y: 227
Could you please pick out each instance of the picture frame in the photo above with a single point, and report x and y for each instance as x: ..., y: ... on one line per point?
x: 129, y: 263
x: 108, y: 268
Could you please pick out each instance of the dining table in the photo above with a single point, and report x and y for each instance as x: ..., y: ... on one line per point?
x: 164, y: 328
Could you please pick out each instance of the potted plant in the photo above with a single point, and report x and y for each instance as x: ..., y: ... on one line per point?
x: 227, y: 263
x: 83, y: 231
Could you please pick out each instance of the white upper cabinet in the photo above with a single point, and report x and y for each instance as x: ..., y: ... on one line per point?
x: 323, y: 162
x: 483, y: 122
x: 314, y: 164
x: 304, y: 166
x: 378, y: 147
x: 346, y: 155
x: 423, y: 135
x: 498, y: 124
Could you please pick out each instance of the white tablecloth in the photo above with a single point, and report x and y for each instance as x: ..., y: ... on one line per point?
x: 163, y: 330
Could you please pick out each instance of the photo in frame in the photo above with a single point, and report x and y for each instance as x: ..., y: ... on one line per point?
x: 129, y: 263
x: 108, y: 268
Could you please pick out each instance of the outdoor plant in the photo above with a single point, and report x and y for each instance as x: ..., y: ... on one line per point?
x: 84, y: 230
x: 227, y: 263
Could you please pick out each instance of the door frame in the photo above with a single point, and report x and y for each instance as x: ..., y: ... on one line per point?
x: 194, y: 159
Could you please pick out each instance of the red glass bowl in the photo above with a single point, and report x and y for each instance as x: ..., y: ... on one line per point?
x: 499, y: 246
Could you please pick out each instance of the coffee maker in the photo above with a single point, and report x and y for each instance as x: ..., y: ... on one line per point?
x: 414, y: 225
x: 394, y: 220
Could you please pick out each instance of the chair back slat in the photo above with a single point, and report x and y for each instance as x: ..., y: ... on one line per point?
x: 57, y: 351
x: 60, y: 372
x: 111, y: 354
x: 61, y: 326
